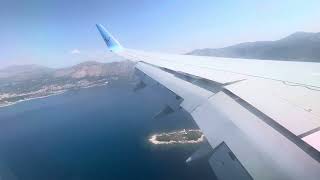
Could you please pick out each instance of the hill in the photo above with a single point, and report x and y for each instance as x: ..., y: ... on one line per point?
x: 300, y: 46
x: 18, y: 83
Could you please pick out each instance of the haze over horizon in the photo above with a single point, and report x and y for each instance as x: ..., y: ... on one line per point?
x: 60, y: 33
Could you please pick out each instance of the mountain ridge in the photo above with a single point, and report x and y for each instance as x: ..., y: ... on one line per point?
x: 81, y: 70
x: 25, y: 82
x: 299, y: 46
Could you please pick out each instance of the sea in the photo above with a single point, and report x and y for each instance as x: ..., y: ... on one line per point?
x: 95, y: 134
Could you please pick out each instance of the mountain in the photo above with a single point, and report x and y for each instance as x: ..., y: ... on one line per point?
x: 24, y: 82
x: 24, y: 72
x: 300, y: 46
x: 95, y: 69
x: 82, y: 70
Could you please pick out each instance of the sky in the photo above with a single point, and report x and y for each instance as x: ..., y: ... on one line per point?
x: 60, y: 33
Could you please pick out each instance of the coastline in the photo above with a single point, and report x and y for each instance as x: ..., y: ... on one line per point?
x: 29, y: 99
x: 51, y: 94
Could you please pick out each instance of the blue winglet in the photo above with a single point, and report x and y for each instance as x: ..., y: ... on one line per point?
x: 111, y: 42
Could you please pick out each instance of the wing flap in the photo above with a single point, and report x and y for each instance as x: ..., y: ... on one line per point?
x: 294, y: 107
x: 260, y: 148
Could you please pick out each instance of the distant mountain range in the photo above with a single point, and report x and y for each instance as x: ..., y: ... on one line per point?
x: 300, y: 46
x: 19, y: 83
x: 89, y: 69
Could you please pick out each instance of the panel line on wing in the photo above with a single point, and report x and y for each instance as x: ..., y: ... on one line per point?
x: 309, y: 132
x: 311, y: 151
x: 146, y: 58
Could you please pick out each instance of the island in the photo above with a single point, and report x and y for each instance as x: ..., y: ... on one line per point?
x: 185, y: 136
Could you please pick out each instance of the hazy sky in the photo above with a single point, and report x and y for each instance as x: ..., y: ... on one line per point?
x: 60, y: 33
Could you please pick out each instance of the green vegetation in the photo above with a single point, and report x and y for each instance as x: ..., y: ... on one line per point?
x: 180, y: 136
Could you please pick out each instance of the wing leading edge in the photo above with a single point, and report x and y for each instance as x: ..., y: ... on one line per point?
x: 262, y: 112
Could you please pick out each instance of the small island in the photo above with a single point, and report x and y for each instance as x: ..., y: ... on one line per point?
x: 186, y: 136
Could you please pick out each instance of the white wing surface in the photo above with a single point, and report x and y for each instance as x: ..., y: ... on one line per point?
x: 260, y: 117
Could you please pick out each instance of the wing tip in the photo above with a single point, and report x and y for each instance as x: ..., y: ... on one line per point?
x: 112, y: 44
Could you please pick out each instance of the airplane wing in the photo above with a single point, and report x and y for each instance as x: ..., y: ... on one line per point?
x: 261, y: 118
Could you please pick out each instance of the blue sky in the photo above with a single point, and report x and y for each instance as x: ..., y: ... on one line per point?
x: 60, y: 33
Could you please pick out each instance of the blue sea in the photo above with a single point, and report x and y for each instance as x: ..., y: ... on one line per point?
x: 94, y: 134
